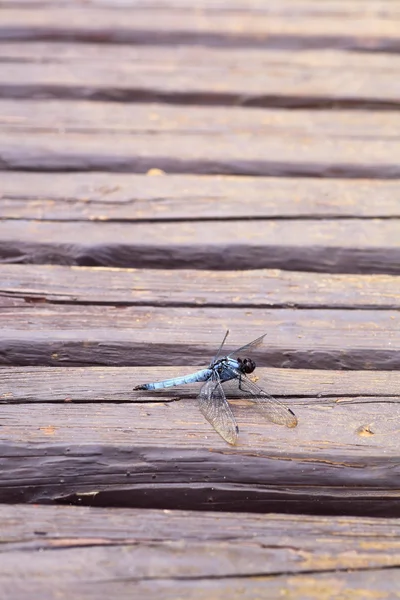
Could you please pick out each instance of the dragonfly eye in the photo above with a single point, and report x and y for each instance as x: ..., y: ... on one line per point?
x: 247, y: 365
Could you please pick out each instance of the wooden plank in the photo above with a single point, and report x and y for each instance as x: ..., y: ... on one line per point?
x: 295, y: 127
x: 67, y: 527
x: 366, y: 9
x: 230, y: 154
x: 337, y: 246
x: 128, y: 287
x: 202, y: 76
x: 186, y: 56
x: 262, y: 28
x: 305, y: 387
x: 340, y: 459
x: 152, y: 57
x: 197, y: 140
x: 64, y: 335
x: 130, y: 197
x: 170, y: 554
x: 375, y: 584
x: 304, y: 143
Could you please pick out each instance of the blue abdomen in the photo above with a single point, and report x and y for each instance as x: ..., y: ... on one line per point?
x: 202, y: 375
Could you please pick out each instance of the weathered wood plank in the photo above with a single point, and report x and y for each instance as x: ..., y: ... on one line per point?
x: 152, y: 57
x: 115, y: 384
x: 198, y: 139
x: 230, y: 154
x: 127, y: 287
x: 139, y: 336
x: 305, y: 126
x: 376, y: 584
x: 165, y: 554
x: 339, y: 460
x: 129, y: 197
x: 203, y: 76
x: 261, y: 28
x: 336, y: 246
x: 312, y: 8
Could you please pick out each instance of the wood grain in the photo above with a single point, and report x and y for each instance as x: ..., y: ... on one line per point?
x: 152, y: 57
x: 369, y: 8
x: 165, y: 554
x: 120, y: 550
x: 81, y: 435
x: 298, y: 127
x: 203, y: 76
x: 271, y: 27
x: 60, y: 136
x: 336, y: 246
x: 375, y: 583
x: 115, y: 384
x: 130, y: 197
x: 142, y: 336
x: 260, y: 288
x: 342, y: 459
x: 198, y: 140
x: 196, y: 153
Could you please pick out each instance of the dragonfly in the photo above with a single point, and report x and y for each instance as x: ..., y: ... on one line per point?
x: 229, y: 369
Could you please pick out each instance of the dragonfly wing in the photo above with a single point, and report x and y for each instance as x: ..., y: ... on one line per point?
x: 251, y: 346
x: 265, y: 404
x: 215, y: 408
x: 220, y: 348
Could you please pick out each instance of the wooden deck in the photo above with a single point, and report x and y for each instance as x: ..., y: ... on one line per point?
x: 171, y: 169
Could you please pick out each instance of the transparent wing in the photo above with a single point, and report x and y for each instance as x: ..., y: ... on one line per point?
x: 215, y: 408
x: 251, y: 346
x: 265, y: 404
x: 221, y: 346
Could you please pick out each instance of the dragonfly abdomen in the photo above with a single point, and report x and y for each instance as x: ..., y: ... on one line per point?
x: 202, y: 375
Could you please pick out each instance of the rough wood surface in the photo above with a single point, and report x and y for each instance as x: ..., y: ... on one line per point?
x: 115, y: 384
x: 155, y: 58
x: 204, y: 76
x: 129, y: 197
x: 176, y: 554
x: 375, y: 583
x: 69, y: 135
x: 340, y: 459
x: 142, y: 336
x: 123, y: 119
x: 336, y: 246
x: 294, y: 26
x: 230, y: 154
x: 261, y: 288
x: 366, y: 9
x: 96, y: 87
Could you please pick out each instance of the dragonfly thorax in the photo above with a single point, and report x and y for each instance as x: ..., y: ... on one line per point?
x: 226, y: 365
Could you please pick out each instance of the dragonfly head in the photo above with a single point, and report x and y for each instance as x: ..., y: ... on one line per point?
x: 246, y: 365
